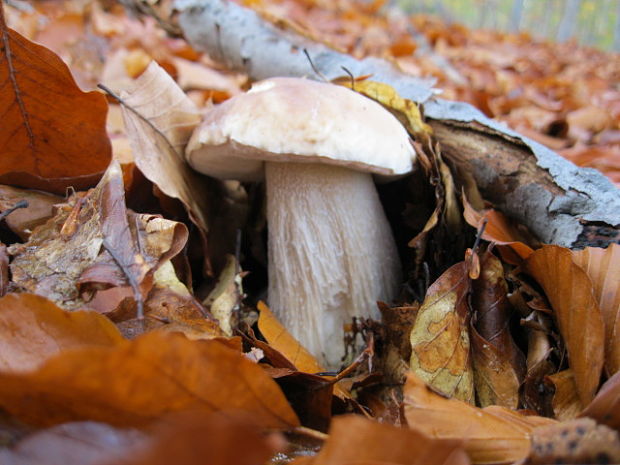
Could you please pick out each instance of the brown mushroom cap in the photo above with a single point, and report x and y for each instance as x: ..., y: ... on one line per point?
x: 293, y: 119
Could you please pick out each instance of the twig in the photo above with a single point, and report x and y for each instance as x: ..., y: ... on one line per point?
x: 17, y: 206
x: 309, y: 432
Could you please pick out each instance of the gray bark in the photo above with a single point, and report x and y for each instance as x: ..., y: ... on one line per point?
x: 569, y: 20
x: 559, y: 202
x: 516, y: 15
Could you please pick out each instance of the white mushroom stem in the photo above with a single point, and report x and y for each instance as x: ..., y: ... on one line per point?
x: 331, y: 253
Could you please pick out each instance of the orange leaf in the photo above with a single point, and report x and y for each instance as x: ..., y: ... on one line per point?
x: 137, y: 381
x: 440, y: 336
x: 605, y: 408
x: 32, y: 329
x: 53, y: 135
x: 603, y: 268
x: 490, y: 435
x: 354, y: 439
x: 280, y: 339
x: 578, y: 316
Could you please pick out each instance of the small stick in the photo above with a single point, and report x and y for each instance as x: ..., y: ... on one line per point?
x: 17, y: 206
x: 309, y: 432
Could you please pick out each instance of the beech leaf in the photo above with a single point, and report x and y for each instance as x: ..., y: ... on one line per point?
x: 440, y: 352
x: 603, y: 268
x: 490, y: 435
x: 605, y: 408
x: 53, y: 135
x: 32, y: 329
x: 137, y: 381
x: 576, y: 311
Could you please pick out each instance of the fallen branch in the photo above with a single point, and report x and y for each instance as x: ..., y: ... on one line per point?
x: 559, y: 202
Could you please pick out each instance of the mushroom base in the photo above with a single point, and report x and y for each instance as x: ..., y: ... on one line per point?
x: 331, y: 253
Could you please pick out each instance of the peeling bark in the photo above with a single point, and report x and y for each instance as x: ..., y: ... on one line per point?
x: 559, y: 202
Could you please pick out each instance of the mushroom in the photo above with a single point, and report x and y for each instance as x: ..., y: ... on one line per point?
x: 330, y: 248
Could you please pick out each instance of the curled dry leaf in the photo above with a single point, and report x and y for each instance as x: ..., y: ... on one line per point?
x: 354, y: 439
x: 490, y: 435
x: 38, y: 211
x: 224, y: 300
x: 92, y: 226
x: 603, y: 268
x: 566, y: 403
x: 499, y: 365
x: 53, y: 134
x: 440, y: 352
x: 576, y: 311
x: 84, y: 443
x: 138, y: 381
x: 33, y: 329
x: 498, y: 230
x: 158, y: 98
x: 605, y: 408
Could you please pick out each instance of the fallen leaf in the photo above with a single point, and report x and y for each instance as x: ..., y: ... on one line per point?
x: 84, y: 443
x: 159, y: 99
x: 137, y: 381
x: 490, y: 435
x: 280, y: 339
x: 24, y: 220
x: 576, y: 311
x: 603, y: 268
x: 354, y: 439
x: 499, y: 365
x: 224, y: 300
x: 33, y: 329
x: 396, y: 353
x: 566, y: 403
x: 440, y: 351
x: 605, y: 408
x: 220, y: 438
x: 94, y: 225
x: 499, y: 230
x: 53, y: 134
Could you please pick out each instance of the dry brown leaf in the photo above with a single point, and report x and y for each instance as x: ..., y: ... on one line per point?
x: 33, y: 329
x: 221, y: 438
x: 566, y: 403
x: 280, y: 339
x: 92, y: 226
x: 499, y: 365
x: 490, y: 435
x: 576, y: 311
x: 158, y: 98
x: 224, y: 300
x: 498, y: 230
x: 603, y: 268
x: 440, y: 351
x: 605, y: 408
x: 138, y: 381
x: 354, y: 440
x: 53, y: 134
x: 38, y: 211
x: 196, y: 75
x: 83, y: 443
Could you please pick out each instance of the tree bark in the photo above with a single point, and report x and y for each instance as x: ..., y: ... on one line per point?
x: 560, y: 203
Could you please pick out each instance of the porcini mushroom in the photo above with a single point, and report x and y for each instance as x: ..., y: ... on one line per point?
x: 331, y: 250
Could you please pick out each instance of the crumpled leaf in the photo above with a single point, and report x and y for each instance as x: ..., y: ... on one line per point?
x: 499, y: 365
x: 605, y: 408
x: 137, y: 381
x: 84, y: 443
x: 576, y: 311
x: 603, y: 268
x: 490, y: 435
x: 32, y: 329
x: 53, y: 134
x: 354, y: 439
x: 510, y: 242
x: 158, y: 98
x: 440, y: 351
x: 566, y: 403
x: 92, y: 225
x: 224, y: 300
